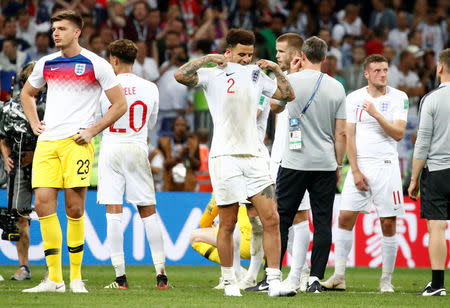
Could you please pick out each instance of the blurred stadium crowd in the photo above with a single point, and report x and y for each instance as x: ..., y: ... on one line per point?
x: 410, y: 34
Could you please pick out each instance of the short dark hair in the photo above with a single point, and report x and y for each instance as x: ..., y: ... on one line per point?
x: 93, y: 37
x: 412, y: 33
x: 444, y: 59
x: 11, y: 39
x: 315, y: 49
x: 45, y: 34
x: 280, y: 16
x: 404, y: 54
x: 125, y: 50
x: 293, y: 40
x: 25, y: 73
x: 204, y: 46
x: 23, y: 11
x: 147, y: 7
x: 69, y: 15
x: 374, y: 58
x: 240, y: 36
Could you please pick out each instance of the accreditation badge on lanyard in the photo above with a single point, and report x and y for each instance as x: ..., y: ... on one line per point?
x: 295, y: 133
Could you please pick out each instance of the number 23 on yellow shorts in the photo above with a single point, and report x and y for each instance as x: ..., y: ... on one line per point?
x: 62, y: 163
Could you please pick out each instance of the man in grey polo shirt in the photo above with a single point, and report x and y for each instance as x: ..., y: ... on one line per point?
x: 314, y: 156
x: 433, y: 149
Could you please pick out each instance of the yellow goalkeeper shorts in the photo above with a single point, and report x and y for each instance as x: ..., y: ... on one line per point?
x: 62, y: 163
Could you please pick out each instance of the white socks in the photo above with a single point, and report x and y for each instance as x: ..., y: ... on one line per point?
x: 273, y: 274
x: 389, y: 255
x: 342, y: 246
x: 155, y: 240
x: 257, y: 235
x: 237, y: 250
x: 114, y: 242
x: 228, y: 274
x: 256, y: 250
x: 300, y: 247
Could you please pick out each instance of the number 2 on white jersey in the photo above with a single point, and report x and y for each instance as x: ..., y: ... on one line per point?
x: 113, y: 129
x: 231, y: 82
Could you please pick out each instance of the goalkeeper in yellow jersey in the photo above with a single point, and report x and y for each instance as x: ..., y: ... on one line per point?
x: 204, y: 240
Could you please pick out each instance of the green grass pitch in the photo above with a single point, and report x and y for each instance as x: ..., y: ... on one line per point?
x: 191, y: 286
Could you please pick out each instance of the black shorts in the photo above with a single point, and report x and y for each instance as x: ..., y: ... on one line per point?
x: 22, y: 193
x: 435, y: 194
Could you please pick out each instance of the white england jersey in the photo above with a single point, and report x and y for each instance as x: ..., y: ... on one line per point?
x: 281, y: 136
x: 143, y: 100
x: 232, y: 92
x: 372, y: 142
x: 261, y: 122
x: 74, y: 88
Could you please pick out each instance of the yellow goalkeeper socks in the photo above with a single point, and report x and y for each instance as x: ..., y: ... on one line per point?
x: 75, y: 243
x: 208, y: 251
x: 52, y: 238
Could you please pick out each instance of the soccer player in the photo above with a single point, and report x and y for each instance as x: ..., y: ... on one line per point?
x: 376, y: 121
x: 124, y: 167
x: 63, y: 158
x: 288, y: 47
x: 247, y: 242
x: 237, y: 166
x: 433, y: 148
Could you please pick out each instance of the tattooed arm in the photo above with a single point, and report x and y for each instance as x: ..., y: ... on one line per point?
x: 187, y: 74
x: 284, y: 91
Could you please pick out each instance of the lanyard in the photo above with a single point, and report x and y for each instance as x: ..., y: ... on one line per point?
x: 141, y: 31
x: 314, y: 94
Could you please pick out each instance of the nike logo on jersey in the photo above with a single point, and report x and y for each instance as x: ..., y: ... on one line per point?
x: 229, y: 74
x: 54, y: 68
x: 83, y: 178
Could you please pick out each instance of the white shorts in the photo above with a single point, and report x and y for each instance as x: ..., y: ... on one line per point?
x: 124, y: 168
x: 235, y: 178
x: 304, y: 204
x: 384, y: 192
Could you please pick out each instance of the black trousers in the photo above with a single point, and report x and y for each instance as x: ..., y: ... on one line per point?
x: 321, y: 185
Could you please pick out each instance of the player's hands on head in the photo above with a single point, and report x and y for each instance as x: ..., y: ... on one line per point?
x: 413, y: 189
x: 83, y: 137
x: 267, y: 65
x: 360, y: 181
x: 218, y: 59
x: 39, y: 128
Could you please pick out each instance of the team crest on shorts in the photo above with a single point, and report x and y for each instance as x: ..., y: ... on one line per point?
x: 80, y: 68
